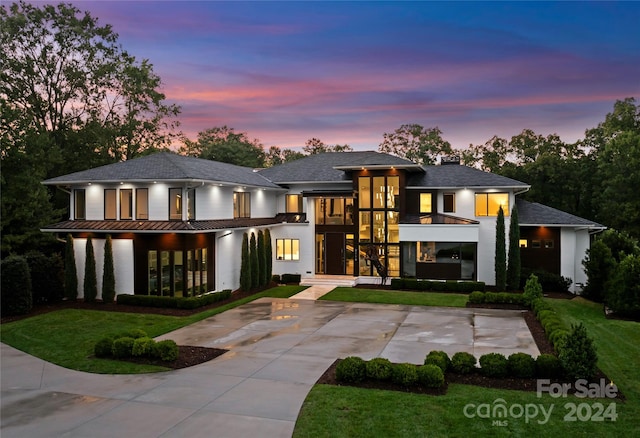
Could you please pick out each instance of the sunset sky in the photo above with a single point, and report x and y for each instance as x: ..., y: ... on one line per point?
x: 346, y: 72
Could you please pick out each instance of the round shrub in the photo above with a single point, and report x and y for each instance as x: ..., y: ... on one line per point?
x: 404, y: 374
x: 142, y: 347
x: 166, y: 350
x: 493, y: 365
x: 463, y: 362
x: 431, y: 376
x: 351, y: 369
x: 521, y: 365
x: 378, y: 368
x: 104, y: 347
x: 557, y: 338
x: 122, y: 347
x: 548, y: 367
x: 439, y: 358
x: 476, y: 297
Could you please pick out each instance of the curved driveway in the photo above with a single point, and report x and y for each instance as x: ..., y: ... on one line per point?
x: 278, y: 350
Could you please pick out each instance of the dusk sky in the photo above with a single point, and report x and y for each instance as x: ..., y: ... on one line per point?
x: 347, y: 72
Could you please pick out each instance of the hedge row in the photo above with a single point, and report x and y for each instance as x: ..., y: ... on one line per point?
x: 173, y: 302
x: 437, y: 286
x: 135, y: 343
x: 353, y: 370
x: 496, y: 298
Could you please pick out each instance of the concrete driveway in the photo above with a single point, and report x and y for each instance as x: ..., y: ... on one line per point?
x: 278, y: 349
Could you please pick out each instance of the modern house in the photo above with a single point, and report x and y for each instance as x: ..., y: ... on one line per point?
x: 177, y: 222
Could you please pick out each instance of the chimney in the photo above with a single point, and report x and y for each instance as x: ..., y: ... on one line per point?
x: 453, y: 159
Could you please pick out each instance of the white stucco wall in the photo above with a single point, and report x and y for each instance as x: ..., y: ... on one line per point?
x: 574, y: 244
x: 122, y: 263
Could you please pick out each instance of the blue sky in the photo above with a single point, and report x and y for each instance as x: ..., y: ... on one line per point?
x: 347, y: 72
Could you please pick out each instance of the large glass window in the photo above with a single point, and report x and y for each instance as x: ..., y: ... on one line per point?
x: 110, y: 209
x: 488, y: 204
x: 175, y: 204
x: 293, y: 204
x: 288, y: 249
x: 241, y: 204
x: 334, y: 211
x: 126, y: 204
x: 142, y: 204
x: 364, y: 195
x: 191, y: 205
x: 80, y: 210
x: 426, y: 203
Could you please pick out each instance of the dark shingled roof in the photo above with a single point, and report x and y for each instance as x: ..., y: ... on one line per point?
x: 532, y: 213
x: 320, y: 167
x: 457, y: 175
x: 165, y: 166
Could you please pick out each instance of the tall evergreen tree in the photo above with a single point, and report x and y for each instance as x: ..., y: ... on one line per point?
x: 262, y: 259
x: 108, y: 275
x: 90, y: 280
x: 70, y: 271
x: 501, y: 256
x: 245, y: 266
x: 514, y: 265
x: 268, y: 255
x: 253, y: 261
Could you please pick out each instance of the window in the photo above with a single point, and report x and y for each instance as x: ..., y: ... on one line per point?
x: 449, y: 201
x: 110, y: 204
x: 241, y: 204
x: 142, y: 204
x: 293, y: 204
x: 175, y: 204
x: 426, y: 205
x: 288, y: 249
x: 523, y: 243
x: 548, y: 244
x: 80, y: 204
x: 488, y: 204
x: 191, y: 205
x: 126, y: 204
x: 364, y: 182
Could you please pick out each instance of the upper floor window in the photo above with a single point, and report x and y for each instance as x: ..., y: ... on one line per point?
x: 426, y: 203
x: 80, y: 210
x: 488, y: 204
x: 449, y: 203
x: 175, y: 204
x: 126, y: 204
x: 142, y: 203
x: 293, y: 204
x: 191, y: 205
x: 110, y: 209
x: 334, y: 211
x: 241, y: 204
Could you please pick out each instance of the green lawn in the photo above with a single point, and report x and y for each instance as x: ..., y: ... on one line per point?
x: 396, y: 297
x: 334, y: 411
x: 66, y: 337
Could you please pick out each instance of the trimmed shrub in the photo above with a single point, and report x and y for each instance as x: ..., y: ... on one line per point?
x: 622, y: 294
x: 404, y: 374
x: 143, y: 347
x: 501, y: 252
x: 549, y: 281
x: 532, y: 290
x: 431, y: 376
x: 494, y: 365
x: 437, y: 286
x: 15, y: 292
x: 275, y: 278
x: 578, y: 354
x: 513, y: 262
x: 291, y: 278
x: 476, y: 297
x: 463, y: 362
x: 438, y: 358
x: 173, y: 302
x: 108, y: 274
x: 104, y: 347
x: 253, y: 261
x: 490, y: 297
x: 166, y: 350
x: 351, y: 369
x: 122, y: 347
x: 268, y: 253
x: 90, y: 280
x: 548, y: 367
x: 70, y: 271
x: 557, y: 338
x: 521, y: 365
x: 47, y: 277
x: 245, y: 264
x: 262, y: 261
x: 379, y: 368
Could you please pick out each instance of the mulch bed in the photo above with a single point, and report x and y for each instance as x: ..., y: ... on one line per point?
x: 188, y: 356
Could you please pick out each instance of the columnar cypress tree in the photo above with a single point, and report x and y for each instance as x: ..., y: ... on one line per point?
x: 108, y: 275
x: 253, y: 259
x: 70, y: 272
x: 501, y: 256
x: 262, y: 260
x: 90, y: 280
x: 514, y: 264
x: 268, y: 255
x: 245, y: 267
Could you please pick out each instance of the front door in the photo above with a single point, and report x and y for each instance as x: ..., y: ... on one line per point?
x: 334, y: 253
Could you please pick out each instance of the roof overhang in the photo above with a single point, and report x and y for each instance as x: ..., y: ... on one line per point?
x: 408, y: 167
x: 184, y: 182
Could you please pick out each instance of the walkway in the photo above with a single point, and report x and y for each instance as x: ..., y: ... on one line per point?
x: 278, y: 349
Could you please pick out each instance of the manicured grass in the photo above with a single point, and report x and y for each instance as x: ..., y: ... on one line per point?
x: 343, y: 411
x: 67, y: 337
x: 397, y: 297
